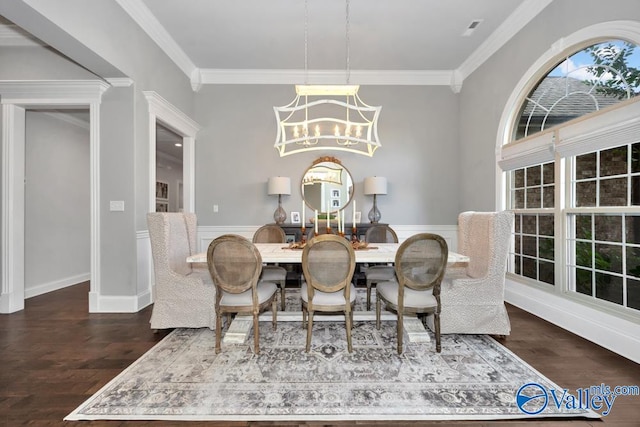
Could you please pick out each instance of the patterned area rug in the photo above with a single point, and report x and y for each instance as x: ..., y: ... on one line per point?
x: 182, y: 378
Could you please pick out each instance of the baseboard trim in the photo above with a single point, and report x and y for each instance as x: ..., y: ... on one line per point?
x: 119, y: 304
x: 614, y: 333
x: 34, y: 291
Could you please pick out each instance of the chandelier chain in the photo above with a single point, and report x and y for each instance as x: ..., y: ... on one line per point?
x: 306, y: 40
x: 348, y: 43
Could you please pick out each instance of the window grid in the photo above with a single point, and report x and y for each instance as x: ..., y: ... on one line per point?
x: 600, y: 186
x: 606, y: 184
x: 533, y: 254
x: 599, y: 269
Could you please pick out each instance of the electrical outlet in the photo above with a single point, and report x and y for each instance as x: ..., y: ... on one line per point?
x: 215, y: 208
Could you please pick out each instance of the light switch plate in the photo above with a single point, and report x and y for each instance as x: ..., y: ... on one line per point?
x: 116, y: 205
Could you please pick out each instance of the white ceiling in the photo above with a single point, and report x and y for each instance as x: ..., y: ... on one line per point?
x: 207, y: 38
x: 263, y: 41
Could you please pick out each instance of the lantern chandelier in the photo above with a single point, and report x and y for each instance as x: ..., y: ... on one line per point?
x: 327, y: 117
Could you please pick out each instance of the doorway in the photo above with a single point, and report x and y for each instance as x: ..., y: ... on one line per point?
x: 169, y: 170
x: 57, y: 200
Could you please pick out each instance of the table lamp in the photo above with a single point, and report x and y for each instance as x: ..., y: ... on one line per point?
x: 375, y: 185
x: 279, y: 185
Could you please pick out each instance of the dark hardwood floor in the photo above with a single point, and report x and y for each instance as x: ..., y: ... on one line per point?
x: 54, y: 355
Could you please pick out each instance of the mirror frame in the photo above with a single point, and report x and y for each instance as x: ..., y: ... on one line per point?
x: 327, y: 159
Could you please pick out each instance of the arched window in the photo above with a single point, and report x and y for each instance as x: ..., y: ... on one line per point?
x: 589, y: 80
x: 572, y: 172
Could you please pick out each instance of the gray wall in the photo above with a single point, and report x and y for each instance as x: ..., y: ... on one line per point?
x: 486, y: 91
x: 438, y: 150
x: 106, y: 41
x: 418, y: 129
x: 57, y: 204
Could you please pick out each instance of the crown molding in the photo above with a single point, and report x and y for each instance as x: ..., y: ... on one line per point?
x: 154, y: 29
x: 288, y: 77
x: 120, y: 81
x: 52, y: 91
x: 509, y: 28
x: 453, y: 78
x: 12, y: 35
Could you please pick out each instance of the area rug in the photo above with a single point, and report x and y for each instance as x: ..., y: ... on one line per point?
x: 181, y: 378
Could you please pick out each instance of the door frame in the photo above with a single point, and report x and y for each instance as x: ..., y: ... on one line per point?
x: 16, y: 97
x: 163, y: 112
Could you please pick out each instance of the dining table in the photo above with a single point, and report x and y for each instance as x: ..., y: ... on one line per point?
x: 373, y: 253
x: 292, y: 254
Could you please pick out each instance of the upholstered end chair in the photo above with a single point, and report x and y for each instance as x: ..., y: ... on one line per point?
x: 473, y: 298
x: 184, y: 295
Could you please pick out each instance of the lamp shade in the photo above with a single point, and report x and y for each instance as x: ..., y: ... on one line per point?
x: 279, y: 185
x: 375, y: 185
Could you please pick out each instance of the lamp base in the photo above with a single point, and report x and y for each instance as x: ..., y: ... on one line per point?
x: 279, y: 215
x: 374, y: 213
x: 374, y: 216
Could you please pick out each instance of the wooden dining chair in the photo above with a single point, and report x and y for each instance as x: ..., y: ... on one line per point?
x: 235, y: 265
x: 328, y: 263
x: 277, y: 274
x: 420, y: 264
x: 379, y: 233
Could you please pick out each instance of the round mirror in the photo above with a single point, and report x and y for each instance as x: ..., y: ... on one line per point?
x: 327, y: 186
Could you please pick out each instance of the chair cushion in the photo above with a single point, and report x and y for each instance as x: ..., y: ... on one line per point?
x: 412, y: 298
x: 327, y: 298
x: 380, y: 272
x: 273, y: 272
x: 265, y: 291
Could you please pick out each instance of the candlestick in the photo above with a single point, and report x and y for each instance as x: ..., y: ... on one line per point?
x: 354, y: 212
x: 316, y: 222
x: 328, y: 214
x: 338, y: 219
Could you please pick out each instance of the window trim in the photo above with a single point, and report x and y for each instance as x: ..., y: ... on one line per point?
x: 592, y: 132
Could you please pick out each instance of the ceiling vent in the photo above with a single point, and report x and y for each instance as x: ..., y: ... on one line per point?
x: 472, y: 27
